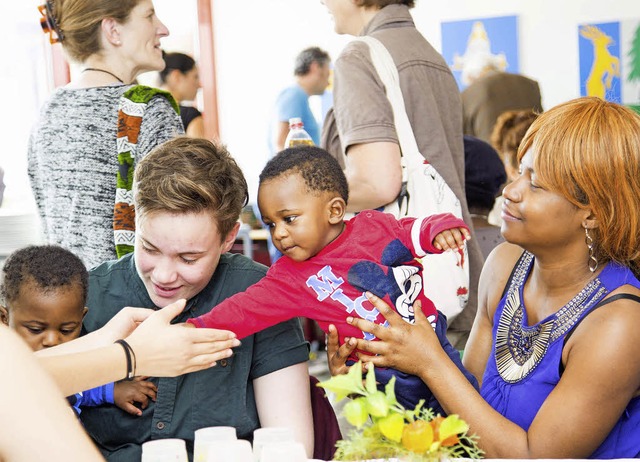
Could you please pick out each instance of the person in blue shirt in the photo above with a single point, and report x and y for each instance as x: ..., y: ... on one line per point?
x: 42, y: 298
x: 311, y: 71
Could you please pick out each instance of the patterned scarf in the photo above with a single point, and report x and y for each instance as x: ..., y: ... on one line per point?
x: 132, y: 106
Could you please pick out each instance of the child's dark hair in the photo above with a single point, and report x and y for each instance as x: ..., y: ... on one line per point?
x: 50, y: 267
x: 320, y: 171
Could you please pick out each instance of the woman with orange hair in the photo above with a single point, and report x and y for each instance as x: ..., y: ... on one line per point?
x: 555, y: 341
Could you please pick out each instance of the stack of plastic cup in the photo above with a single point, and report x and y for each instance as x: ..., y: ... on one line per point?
x: 205, y: 437
x: 268, y: 435
x: 164, y: 450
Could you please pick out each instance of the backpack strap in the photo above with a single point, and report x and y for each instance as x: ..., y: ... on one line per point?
x: 130, y: 111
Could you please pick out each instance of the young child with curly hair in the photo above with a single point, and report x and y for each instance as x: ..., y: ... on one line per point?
x: 42, y: 298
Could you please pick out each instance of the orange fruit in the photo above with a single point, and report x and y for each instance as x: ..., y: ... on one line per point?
x: 417, y: 436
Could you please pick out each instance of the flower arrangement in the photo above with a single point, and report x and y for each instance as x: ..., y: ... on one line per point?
x: 385, y: 429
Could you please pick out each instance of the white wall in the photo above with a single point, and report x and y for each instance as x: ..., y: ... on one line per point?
x: 256, y: 44
x: 25, y: 86
x: 257, y: 41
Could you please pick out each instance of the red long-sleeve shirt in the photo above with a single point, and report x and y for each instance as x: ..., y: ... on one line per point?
x: 375, y: 253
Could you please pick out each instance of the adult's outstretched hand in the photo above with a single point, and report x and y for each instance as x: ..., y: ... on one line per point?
x: 163, y: 349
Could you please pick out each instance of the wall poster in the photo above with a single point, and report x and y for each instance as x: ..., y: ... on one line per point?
x: 610, y: 61
x: 469, y: 46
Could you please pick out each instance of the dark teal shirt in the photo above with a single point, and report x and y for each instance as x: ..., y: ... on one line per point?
x: 222, y: 395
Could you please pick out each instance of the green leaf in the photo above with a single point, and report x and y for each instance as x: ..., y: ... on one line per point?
x: 416, y: 413
x: 341, y: 385
x: 377, y: 404
x: 356, y: 412
x: 371, y: 386
x: 345, y: 385
x: 452, y: 425
x: 390, y: 393
x: 391, y: 427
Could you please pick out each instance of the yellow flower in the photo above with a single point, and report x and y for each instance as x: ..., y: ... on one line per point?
x: 386, y: 429
x: 392, y: 427
x: 450, y: 428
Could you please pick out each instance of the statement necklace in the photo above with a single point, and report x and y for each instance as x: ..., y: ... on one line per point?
x: 103, y: 70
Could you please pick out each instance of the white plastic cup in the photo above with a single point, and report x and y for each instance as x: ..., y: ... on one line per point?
x: 283, y: 451
x: 265, y: 435
x: 164, y: 450
x: 229, y: 451
x: 204, y: 437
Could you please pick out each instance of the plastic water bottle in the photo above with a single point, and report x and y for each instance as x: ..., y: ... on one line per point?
x: 297, y: 134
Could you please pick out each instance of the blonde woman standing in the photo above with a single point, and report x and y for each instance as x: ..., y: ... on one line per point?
x: 91, y: 133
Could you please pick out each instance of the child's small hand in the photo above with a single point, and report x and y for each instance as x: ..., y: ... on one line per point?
x: 451, y: 239
x: 138, y: 390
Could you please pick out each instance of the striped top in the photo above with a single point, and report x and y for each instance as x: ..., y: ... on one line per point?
x: 73, y: 164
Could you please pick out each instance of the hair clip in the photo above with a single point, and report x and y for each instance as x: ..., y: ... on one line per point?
x: 48, y: 23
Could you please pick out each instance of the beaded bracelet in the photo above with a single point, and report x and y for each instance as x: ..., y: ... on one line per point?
x: 131, y: 358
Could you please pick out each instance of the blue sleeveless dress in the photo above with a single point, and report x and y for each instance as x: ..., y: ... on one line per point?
x: 526, y: 361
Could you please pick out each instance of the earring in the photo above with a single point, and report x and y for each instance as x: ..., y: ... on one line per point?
x: 593, y: 261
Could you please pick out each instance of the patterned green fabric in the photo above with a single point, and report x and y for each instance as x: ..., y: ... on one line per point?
x: 130, y: 112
